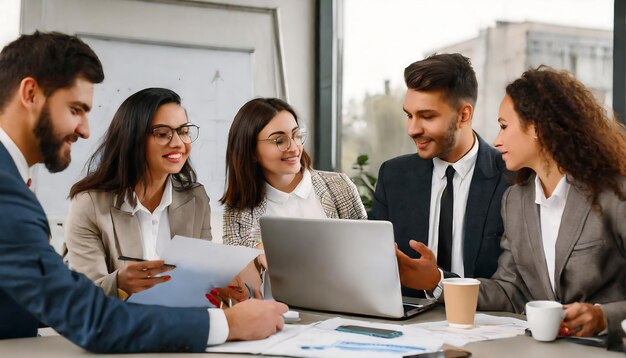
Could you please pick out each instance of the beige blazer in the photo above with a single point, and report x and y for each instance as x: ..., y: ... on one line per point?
x: 338, y: 195
x: 97, y: 232
x: 590, y: 257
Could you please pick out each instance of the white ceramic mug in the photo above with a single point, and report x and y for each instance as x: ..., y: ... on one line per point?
x: 544, y: 319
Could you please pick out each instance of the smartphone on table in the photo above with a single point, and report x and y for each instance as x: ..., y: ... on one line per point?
x: 369, y: 331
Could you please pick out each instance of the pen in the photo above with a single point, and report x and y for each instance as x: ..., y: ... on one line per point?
x: 127, y: 258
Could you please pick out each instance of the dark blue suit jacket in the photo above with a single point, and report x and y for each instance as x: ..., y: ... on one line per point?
x: 35, y: 286
x: 403, y: 197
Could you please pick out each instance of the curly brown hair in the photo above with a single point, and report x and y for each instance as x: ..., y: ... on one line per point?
x: 572, y: 127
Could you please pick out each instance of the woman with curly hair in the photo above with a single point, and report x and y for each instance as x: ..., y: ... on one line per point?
x: 565, y: 220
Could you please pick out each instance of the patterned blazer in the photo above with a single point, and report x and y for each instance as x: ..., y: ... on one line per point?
x: 336, y: 192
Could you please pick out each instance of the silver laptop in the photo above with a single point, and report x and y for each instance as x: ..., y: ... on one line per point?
x: 335, y: 265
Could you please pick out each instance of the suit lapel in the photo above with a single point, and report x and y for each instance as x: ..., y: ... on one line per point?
x: 534, y: 238
x: 127, y: 233
x: 8, y: 165
x: 574, y: 216
x: 324, y: 195
x: 420, y: 188
x: 181, y: 214
x: 484, y: 183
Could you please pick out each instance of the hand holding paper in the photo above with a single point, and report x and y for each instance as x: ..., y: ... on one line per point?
x: 135, y: 277
x: 201, y: 266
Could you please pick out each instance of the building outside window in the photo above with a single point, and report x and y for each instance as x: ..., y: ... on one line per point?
x: 503, y: 38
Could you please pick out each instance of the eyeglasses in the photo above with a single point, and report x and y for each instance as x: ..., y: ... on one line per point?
x: 187, y: 133
x: 283, y: 141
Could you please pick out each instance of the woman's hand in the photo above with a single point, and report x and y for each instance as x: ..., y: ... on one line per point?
x: 261, y: 257
x: 236, y: 291
x: 138, y: 276
x: 247, y: 284
x: 582, y: 320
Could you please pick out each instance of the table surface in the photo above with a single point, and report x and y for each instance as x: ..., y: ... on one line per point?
x: 520, y: 346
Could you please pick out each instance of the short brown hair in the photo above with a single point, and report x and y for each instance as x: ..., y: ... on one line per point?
x: 245, y: 182
x: 572, y: 127
x: 53, y: 59
x: 452, y: 73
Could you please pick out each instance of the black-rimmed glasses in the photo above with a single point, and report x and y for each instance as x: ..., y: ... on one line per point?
x: 283, y: 141
x: 187, y: 133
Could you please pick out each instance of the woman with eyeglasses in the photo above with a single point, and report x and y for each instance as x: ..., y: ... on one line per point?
x: 269, y: 173
x: 139, y: 192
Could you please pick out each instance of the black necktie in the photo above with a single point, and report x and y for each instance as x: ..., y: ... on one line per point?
x: 444, y: 247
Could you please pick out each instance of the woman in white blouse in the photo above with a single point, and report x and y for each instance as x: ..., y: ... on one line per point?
x: 269, y: 173
x: 139, y: 192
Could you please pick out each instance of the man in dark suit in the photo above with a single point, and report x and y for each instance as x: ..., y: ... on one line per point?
x: 447, y: 196
x: 46, y: 91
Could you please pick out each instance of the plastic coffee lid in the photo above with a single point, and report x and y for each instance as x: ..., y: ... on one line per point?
x: 460, y: 281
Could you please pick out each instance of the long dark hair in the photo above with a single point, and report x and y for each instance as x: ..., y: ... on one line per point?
x: 119, y: 163
x: 245, y: 183
x: 572, y: 127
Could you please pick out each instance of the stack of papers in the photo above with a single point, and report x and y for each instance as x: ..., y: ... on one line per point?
x: 322, y: 340
x: 485, y: 328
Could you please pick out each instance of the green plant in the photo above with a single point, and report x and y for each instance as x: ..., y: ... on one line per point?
x: 364, y: 181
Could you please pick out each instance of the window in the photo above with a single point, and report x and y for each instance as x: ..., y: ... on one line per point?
x: 501, y: 37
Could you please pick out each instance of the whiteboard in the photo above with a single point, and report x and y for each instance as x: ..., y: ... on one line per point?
x: 213, y: 84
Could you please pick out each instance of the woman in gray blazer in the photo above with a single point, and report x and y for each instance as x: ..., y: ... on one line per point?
x: 565, y: 220
x: 139, y: 192
x: 565, y: 223
x: 269, y: 172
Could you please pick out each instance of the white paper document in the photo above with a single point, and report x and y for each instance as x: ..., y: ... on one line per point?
x: 200, y: 267
x: 486, y: 327
x: 322, y: 340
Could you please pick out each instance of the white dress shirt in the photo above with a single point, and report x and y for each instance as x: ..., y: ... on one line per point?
x: 16, y: 155
x: 550, y: 213
x: 155, y: 234
x: 302, y: 202
x: 154, y: 226
x: 464, y: 171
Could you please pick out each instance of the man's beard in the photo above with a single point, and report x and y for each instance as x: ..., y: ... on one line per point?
x: 446, y: 142
x: 49, y: 145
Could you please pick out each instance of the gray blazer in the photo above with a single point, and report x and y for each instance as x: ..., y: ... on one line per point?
x: 336, y: 192
x: 590, y: 257
x: 97, y: 232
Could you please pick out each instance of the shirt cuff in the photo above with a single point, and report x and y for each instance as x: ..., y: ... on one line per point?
x: 435, y: 293
x: 218, y: 327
